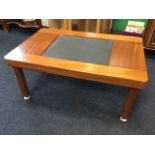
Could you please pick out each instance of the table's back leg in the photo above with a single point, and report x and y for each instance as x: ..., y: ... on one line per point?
x: 5, y: 25
x: 22, y: 82
x: 128, y: 104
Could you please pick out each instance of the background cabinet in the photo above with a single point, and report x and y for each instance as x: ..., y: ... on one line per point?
x: 87, y: 25
x: 36, y: 23
x: 149, y: 37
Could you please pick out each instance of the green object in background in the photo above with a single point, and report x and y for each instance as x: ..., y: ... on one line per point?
x: 120, y: 24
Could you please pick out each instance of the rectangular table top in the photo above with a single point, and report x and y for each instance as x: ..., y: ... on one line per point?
x: 106, y: 58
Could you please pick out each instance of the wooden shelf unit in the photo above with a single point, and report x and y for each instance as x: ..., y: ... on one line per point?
x: 86, y: 25
x: 149, y: 36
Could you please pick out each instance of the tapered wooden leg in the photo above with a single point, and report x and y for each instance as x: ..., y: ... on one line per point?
x: 22, y: 82
x: 128, y: 104
x: 5, y: 25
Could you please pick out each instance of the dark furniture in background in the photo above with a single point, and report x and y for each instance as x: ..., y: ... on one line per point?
x: 149, y: 37
x: 24, y: 24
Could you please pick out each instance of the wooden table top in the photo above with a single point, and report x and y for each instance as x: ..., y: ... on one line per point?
x: 126, y: 66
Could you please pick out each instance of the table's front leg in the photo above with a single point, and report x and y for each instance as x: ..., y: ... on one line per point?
x: 129, y: 104
x: 22, y: 82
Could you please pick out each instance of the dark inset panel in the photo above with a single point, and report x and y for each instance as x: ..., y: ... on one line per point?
x: 90, y: 50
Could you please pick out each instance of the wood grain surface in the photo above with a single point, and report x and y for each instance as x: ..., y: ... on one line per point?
x: 126, y: 67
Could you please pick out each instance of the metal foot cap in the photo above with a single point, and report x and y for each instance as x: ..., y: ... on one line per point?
x: 123, y: 119
x: 26, y: 97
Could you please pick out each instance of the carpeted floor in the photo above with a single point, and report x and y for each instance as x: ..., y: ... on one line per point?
x: 61, y: 105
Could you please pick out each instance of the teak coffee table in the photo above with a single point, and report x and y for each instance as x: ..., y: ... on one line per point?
x: 105, y: 58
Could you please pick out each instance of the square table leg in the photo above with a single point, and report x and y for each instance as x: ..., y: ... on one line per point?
x: 22, y: 82
x: 128, y: 104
